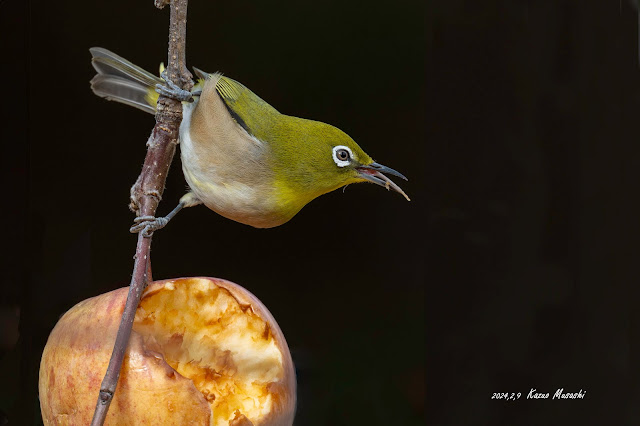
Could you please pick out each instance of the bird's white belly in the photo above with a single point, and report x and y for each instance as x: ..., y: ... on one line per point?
x: 225, y: 193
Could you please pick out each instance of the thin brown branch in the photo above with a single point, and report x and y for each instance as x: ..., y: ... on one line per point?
x: 138, y: 283
x: 146, y: 194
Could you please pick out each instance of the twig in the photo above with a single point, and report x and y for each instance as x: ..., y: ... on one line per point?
x: 146, y: 193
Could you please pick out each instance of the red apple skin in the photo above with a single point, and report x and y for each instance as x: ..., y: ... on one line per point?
x: 149, y: 391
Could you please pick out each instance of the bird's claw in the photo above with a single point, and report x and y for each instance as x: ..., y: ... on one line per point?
x: 148, y: 225
x: 172, y: 90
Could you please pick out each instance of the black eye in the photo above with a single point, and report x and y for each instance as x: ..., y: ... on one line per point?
x: 343, y: 155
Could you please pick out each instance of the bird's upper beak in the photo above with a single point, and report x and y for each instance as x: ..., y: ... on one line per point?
x: 373, y: 173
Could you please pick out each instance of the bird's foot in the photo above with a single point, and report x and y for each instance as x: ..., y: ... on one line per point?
x: 172, y: 90
x: 148, y: 225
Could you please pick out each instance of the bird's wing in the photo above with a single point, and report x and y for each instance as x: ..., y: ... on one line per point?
x: 249, y: 110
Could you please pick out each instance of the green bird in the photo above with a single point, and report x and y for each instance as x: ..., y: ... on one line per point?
x: 241, y: 157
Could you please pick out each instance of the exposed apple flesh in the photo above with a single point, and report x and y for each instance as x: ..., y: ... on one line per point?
x: 202, y: 351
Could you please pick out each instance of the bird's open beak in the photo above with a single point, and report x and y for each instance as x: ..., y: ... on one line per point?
x: 373, y: 173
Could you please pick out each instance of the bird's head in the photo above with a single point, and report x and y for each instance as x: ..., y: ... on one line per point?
x: 322, y: 158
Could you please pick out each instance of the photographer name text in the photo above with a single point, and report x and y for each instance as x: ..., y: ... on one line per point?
x: 534, y: 393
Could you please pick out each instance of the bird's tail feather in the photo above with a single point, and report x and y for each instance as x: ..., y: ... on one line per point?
x: 120, y: 80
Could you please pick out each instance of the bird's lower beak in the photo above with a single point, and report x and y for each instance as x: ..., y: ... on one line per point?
x: 373, y: 173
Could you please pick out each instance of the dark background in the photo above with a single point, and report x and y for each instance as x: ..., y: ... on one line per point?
x: 512, y: 268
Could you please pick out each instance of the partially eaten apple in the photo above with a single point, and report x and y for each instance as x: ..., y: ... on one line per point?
x: 203, y: 351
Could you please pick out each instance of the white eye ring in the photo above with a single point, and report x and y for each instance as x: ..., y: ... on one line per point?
x: 339, y: 162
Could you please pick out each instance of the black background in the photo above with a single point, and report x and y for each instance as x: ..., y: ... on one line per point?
x: 512, y: 267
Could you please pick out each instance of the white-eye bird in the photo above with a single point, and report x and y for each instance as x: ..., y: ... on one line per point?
x: 240, y: 156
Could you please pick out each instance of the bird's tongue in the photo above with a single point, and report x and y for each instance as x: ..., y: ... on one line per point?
x: 389, y: 184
